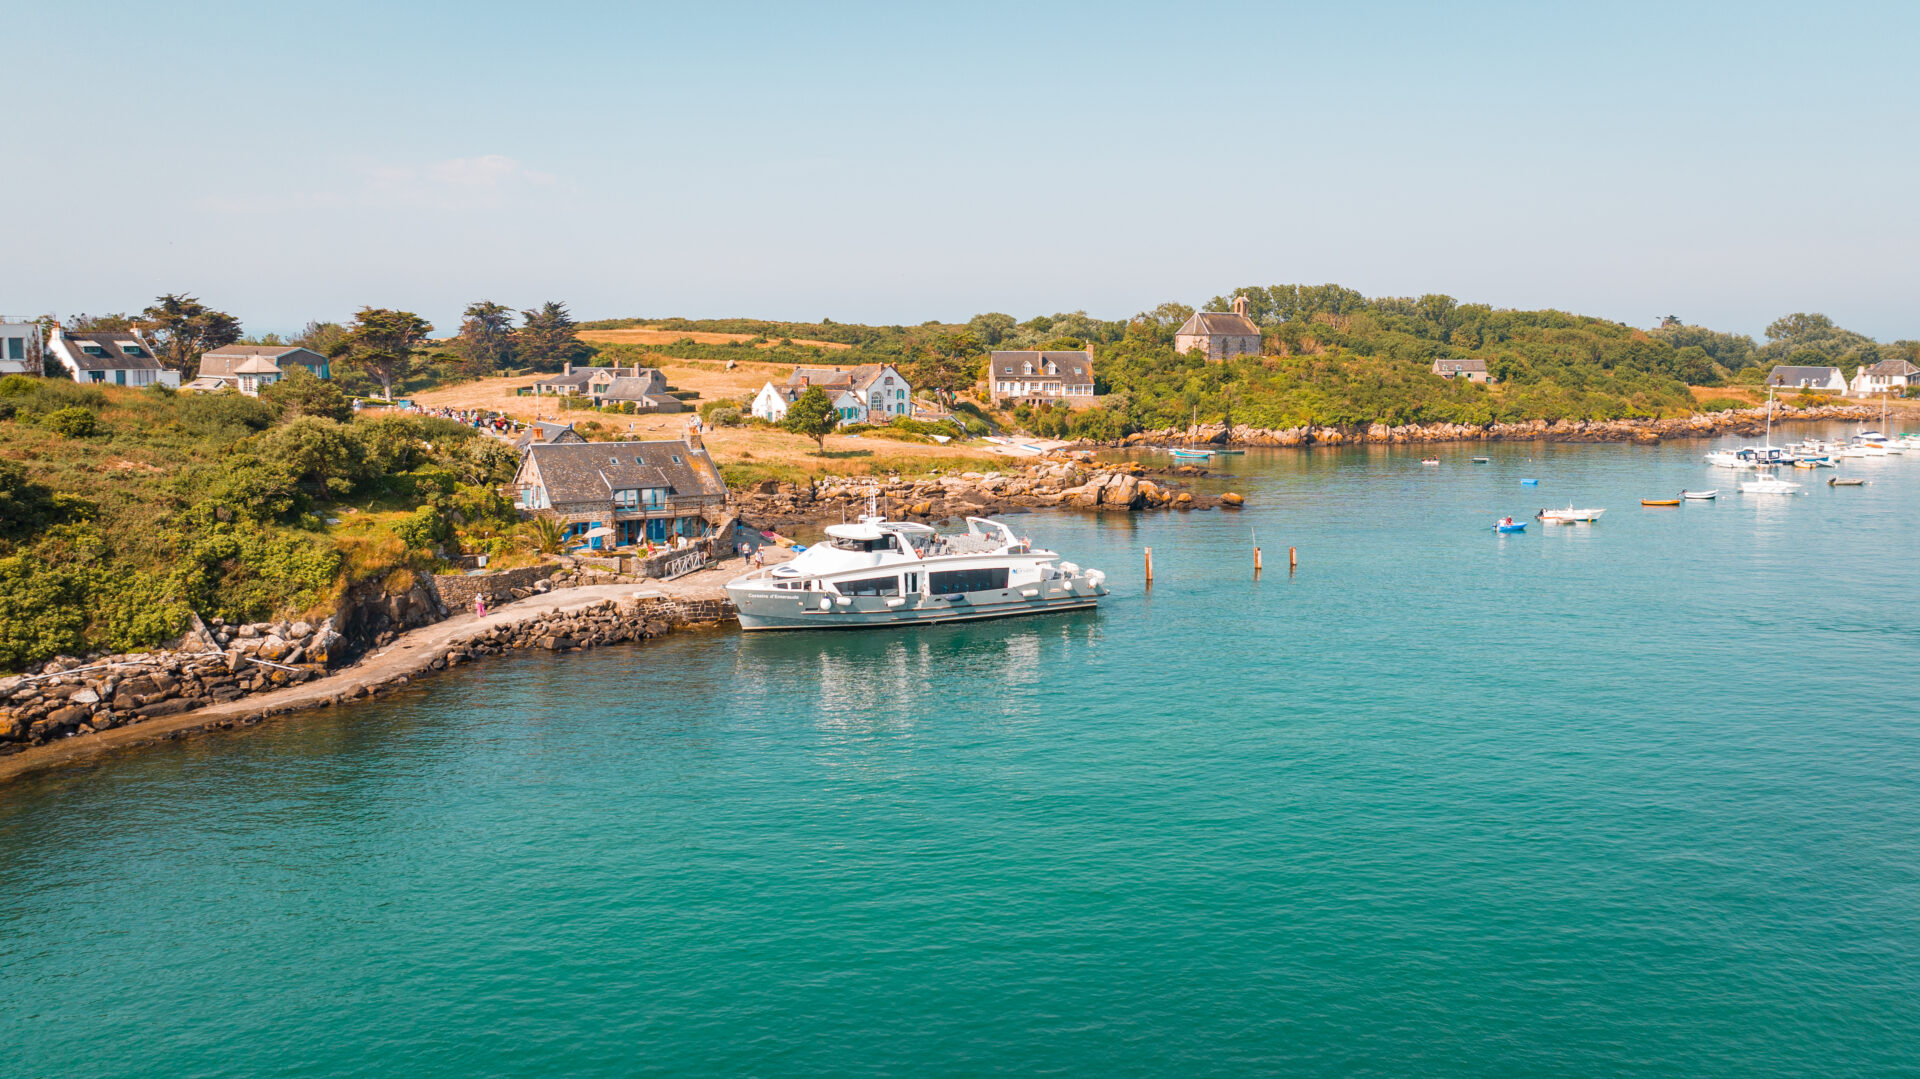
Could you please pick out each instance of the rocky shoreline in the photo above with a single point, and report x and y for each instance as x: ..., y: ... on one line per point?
x: 67, y: 714
x: 1064, y: 480
x: 1744, y: 421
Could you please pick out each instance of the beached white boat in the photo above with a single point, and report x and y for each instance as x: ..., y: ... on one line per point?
x: 1570, y: 515
x: 1768, y: 485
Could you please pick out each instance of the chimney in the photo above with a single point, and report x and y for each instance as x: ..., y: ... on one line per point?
x: 803, y: 382
x: 567, y: 368
x: 1240, y: 305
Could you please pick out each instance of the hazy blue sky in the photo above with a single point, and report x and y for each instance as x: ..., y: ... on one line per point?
x: 898, y: 163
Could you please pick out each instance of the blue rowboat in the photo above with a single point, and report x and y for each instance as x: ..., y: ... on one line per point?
x: 1529, y: 483
x: 1200, y: 455
x: 1515, y: 527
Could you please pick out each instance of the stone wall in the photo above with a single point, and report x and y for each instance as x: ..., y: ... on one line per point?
x: 457, y: 591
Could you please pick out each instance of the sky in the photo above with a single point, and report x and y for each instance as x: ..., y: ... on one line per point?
x: 897, y: 163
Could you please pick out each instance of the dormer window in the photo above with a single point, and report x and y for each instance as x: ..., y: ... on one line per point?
x: 131, y: 349
x: 1027, y: 368
x: 92, y: 349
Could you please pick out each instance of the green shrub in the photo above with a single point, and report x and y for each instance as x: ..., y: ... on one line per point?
x: 722, y: 417
x: 423, y: 529
x: 72, y: 422
x: 1721, y: 404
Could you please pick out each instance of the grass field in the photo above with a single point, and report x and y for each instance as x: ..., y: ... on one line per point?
x: 653, y: 335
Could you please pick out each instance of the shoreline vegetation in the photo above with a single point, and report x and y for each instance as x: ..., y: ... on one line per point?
x: 132, y: 516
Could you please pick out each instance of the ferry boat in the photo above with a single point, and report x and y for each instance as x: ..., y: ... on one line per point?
x: 877, y: 572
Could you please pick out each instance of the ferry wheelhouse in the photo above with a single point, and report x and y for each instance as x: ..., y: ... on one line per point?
x: 877, y: 572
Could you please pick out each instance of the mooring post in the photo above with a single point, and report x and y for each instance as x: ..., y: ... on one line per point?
x: 1293, y: 559
x: 1149, y: 567
x: 1256, y: 561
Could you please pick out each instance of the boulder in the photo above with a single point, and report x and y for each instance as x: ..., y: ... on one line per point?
x: 1232, y: 499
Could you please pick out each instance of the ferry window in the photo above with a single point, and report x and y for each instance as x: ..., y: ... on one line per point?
x: 913, y: 584
x: 871, y: 586
x: 948, y: 582
x: 884, y: 543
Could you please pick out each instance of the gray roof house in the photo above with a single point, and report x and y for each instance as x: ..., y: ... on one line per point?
x: 1219, y: 334
x: 540, y: 431
x: 247, y: 368
x: 635, y: 491
x: 1040, y: 375
x: 1824, y: 379
x: 1471, y: 369
x: 111, y: 357
x: 564, y: 384
x: 1887, y: 376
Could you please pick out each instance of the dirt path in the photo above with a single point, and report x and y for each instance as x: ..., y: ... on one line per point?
x: 405, y: 656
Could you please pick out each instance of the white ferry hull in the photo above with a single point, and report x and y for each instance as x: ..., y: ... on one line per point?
x: 763, y: 609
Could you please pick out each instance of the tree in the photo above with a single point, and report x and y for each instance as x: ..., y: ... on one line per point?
x: 946, y: 365
x: 320, y: 336
x: 320, y: 455
x: 301, y: 393
x: 546, y: 338
x: 91, y: 323
x: 183, y: 328
x: 381, y: 343
x: 812, y: 414
x: 485, y: 344
x: 991, y: 328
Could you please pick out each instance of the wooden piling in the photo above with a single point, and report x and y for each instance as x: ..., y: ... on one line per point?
x: 1256, y: 561
x: 1293, y: 559
x: 1149, y: 567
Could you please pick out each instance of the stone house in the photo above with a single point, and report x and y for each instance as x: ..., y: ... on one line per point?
x: 1813, y: 379
x: 1040, y: 376
x: 1473, y: 370
x: 541, y: 431
x: 109, y: 357
x: 1218, y: 334
x: 613, y: 494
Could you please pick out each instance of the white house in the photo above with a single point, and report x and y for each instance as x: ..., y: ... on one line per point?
x: 1814, y: 379
x: 1040, y: 375
x: 1887, y: 376
x: 869, y: 393
x: 112, y: 357
x: 19, y: 347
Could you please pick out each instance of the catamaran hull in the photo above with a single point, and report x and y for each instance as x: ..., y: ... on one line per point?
x: 759, y: 610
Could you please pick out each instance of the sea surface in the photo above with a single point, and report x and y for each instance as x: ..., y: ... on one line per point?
x: 1636, y: 798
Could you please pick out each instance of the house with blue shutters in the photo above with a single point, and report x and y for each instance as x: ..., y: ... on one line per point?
x: 616, y: 494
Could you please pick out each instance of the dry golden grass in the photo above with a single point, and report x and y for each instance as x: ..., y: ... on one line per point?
x: 653, y: 335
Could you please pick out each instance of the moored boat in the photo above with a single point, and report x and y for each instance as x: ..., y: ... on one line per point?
x: 1838, y: 482
x: 878, y: 572
x: 1701, y: 495
x: 1570, y: 515
x: 1508, y: 524
x: 1659, y: 502
x: 1768, y: 485
x: 1197, y: 455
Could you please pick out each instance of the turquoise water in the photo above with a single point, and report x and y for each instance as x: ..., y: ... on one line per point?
x: 1641, y: 798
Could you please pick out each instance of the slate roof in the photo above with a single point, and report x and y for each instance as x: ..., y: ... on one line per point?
x: 826, y: 378
x: 592, y: 471
x: 577, y: 379
x: 73, y: 346
x: 542, y: 431
x: 1784, y: 375
x: 1892, y: 369
x: 1218, y: 324
x: 1468, y: 366
x: 226, y: 360
x: 1076, y: 367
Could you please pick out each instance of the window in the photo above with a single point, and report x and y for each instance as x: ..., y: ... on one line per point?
x: 950, y: 582
x: 675, y: 457
x: 627, y: 499
x: 654, y: 498
x: 132, y: 349
x: 16, y: 348
x: 883, y: 543
x: 913, y: 584
x: 93, y: 350
x: 870, y: 586
x: 97, y: 376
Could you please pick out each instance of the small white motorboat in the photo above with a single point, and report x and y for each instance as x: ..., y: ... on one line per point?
x: 1568, y: 516
x: 1768, y: 485
x: 1697, y: 495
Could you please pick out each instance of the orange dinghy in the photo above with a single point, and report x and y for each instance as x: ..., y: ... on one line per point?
x: 1659, y: 502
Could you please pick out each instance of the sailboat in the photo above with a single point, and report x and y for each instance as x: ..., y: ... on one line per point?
x: 1766, y: 455
x: 1190, y: 451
